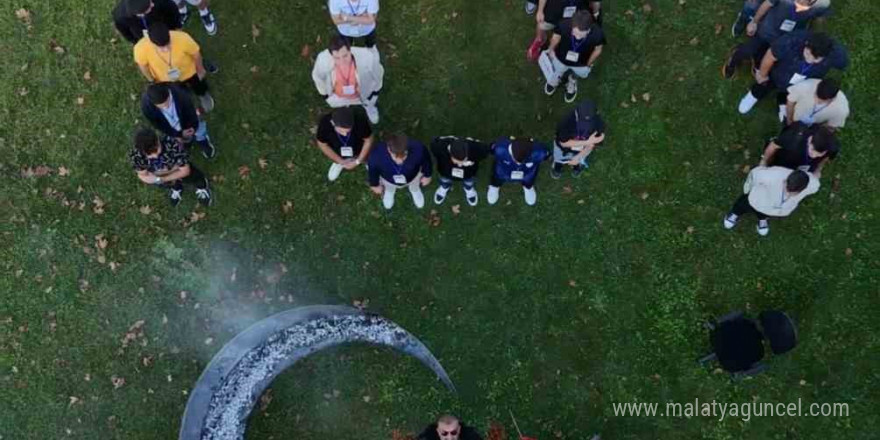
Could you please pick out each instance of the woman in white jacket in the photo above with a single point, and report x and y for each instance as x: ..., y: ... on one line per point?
x: 347, y: 76
x: 771, y: 192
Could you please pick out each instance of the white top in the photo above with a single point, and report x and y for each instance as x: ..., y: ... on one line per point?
x: 354, y: 7
x: 171, y: 115
x: 766, y: 189
x: 808, y: 111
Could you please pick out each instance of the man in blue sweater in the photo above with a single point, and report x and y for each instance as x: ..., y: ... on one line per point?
x: 516, y: 160
x: 396, y: 163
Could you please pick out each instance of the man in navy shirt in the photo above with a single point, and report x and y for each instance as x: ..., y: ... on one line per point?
x: 792, y: 59
x: 345, y: 137
x: 516, y: 160
x: 773, y: 19
x: 574, y: 48
x: 576, y: 137
x: 457, y: 159
x: 169, y: 108
x: 396, y: 163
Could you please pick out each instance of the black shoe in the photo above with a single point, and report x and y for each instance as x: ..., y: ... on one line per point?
x: 739, y: 26
x: 208, y: 149
x: 204, y: 196
x: 184, y: 17
x: 577, y: 170
x: 174, y: 196
x: 210, y: 67
x: 728, y: 70
x: 556, y: 170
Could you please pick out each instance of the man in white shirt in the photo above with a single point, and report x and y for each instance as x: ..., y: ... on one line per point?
x: 817, y: 102
x: 355, y: 19
x: 771, y: 192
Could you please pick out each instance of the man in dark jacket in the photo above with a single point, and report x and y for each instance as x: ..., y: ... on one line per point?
x: 458, y: 159
x: 449, y: 428
x: 133, y: 17
x: 170, y: 109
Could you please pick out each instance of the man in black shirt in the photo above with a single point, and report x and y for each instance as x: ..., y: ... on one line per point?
x: 449, y: 428
x: 457, y: 159
x: 345, y: 137
x: 576, y: 137
x: 802, y: 147
x: 165, y: 163
x: 133, y: 17
x: 574, y: 48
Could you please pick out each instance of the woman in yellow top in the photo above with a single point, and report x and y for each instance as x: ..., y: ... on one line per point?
x: 173, y: 56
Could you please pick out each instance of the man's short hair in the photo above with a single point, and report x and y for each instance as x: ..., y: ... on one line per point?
x: 820, y: 45
x: 447, y: 419
x: 827, y: 89
x: 397, y: 143
x: 337, y: 42
x: 159, y: 33
x: 521, y: 149
x: 582, y: 20
x: 459, y: 149
x: 342, y: 117
x: 797, y: 181
x: 823, y: 139
x: 158, y: 93
x: 135, y: 7
x: 146, y: 141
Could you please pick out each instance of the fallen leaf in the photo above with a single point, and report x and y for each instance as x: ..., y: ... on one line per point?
x: 244, y: 171
x: 456, y: 209
x: 848, y: 252
x: 646, y: 97
x: 147, y: 361
x: 567, y: 189
x: 572, y: 283
x: 746, y: 169
x: 255, y: 69
x: 209, y: 341
x: 101, y: 242
x: 694, y: 41
x: 624, y: 104
x: 24, y: 16
x: 88, y: 75
x: 145, y: 210
x: 690, y: 229
x: 80, y: 100
x: 305, y: 51
x: 644, y: 195
x: 454, y: 14
x: 632, y: 97
x: 73, y: 401
x: 287, y: 206
x: 255, y: 32
x: 23, y: 91
x: 62, y: 171
x: 263, y: 163
x: 803, y: 382
x: 366, y: 399
x: 196, y: 216
x: 718, y: 28
x: 647, y: 8
x: 117, y: 382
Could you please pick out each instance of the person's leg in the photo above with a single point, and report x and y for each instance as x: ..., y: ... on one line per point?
x: 494, y: 189
x: 531, y: 6
x: 470, y: 191
x: 205, y: 14
x: 740, y: 207
x: 559, y: 70
x: 752, y: 48
x: 204, y: 141
x: 370, y: 40
x: 571, y: 86
x: 371, y: 108
x: 388, y: 194
x: 781, y: 101
x: 184, y: 13
x: 442, y: 190
x: 559, y: 158
x: 415, y: 190
x: 756, y: 93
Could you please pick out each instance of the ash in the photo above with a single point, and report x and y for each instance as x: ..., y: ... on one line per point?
x: 238, y: 391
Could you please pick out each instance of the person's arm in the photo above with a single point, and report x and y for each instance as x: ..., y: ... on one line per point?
x: 554, y: 41
x: 789, y: 110
x: 359, y: 19
x: 539, y: 15
x: 373, y: 174
x: 596, y: 52
x: 769, y: 151
x: 319, y: 74
x: 763, y: 74
x: 145, y: 71
x: 368, y: 147
x: 818, y: 171
x: 200, y: 66
x: 427, y: 167
x: 588, y: 146
x: 752, y: 28
x: 176, y: 174
x: 148, y: 177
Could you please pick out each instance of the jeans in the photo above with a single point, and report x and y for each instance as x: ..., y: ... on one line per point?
x: 562, y: 70
x: 742, y: 207
x: 201, y: 131
x: 446, y: 183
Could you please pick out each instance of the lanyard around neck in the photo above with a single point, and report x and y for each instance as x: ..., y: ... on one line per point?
x: 169, y: 55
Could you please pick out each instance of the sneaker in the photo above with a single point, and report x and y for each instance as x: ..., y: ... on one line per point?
x: 210, y: 66
x: 204, y: 196
x: 210, y: 23
x: 556, y: 170
x: 334, y: 171
x: 174, y: 196
x: 417, y: 196
x: 763, y: 227
x: 747, y: 103
x: 739, y: 26
x: 534, y: 50
x: 782, y: 113
x: 492, y: 194
x: 472, y: 196
x: 208, y: 148
x: 571, y: 89
x: 372, y: 113
x: 440, y: 194
x: 388, y: 197
x: 548, y: 89
x: 531, y: 195
x: 577, y: 170
x: 531, y: 8
x: 184, y: 17
x: 730, y: 221
x: 207, y: 102
x: 728, y: 70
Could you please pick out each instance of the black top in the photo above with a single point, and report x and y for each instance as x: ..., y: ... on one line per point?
x: 583, y: 48
x: 360, y: 131
x: 131, y: 27
x: 554, y: 10
x: 789, y: 53
x: 579, y: 126
x: 381, y: 164
x: 794, y: 148
x: 738, y: 344
x: 173, y: 155
x: 467, y: 433
x: 186, y: 112
x: 477, y: 151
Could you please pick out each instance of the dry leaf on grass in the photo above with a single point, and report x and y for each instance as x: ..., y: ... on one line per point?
x: 263, y: 163
x: 646, y: 97
x: 244, y: 171
x: 88, y: 75
x: 718, y: 28
x: 62, y: 171
x: 145, y: 210
x: 118, y: 382
x: 647, y: 8
x: 305, y: 51
x: 456, y: 209
x: 287, y: 207
x: 255, y: 32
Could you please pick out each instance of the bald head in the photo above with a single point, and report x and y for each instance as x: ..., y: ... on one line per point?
x: 448, y: 427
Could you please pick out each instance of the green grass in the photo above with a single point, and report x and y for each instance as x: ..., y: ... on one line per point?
x: 593, y: 297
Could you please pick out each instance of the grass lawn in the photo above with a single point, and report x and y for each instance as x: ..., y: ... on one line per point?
x: 594, y: 296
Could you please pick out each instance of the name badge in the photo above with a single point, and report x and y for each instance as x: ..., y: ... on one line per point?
x: 146, y: 34
x: 572, y: 56
x: 516, y: 175
x: 400, y: 179
x: 787, y: 25
x: 458, y: 173
x: 348, y: 90
x: 569, y: 11
x: 346, y: 151
x: 796, y: 78
x: 173, y: 74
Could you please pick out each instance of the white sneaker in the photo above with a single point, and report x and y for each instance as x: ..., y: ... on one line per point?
x: 531, y: 7
x: 440, y: 194
x: 334, y: 171
x: 531, y: 196
x: 417, y: 196
x: 492, y: 195
x: 781, y: 113
x: 372, y: 113
x: 207, y: 102
x: 746, y: 104
x: 763, y: 227
x: 388, y: 197
x: 472, y: 196
x: 730, y: 221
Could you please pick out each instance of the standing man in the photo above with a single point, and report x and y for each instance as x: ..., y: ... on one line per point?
x: 173, y: 56
x: 771, y: 192
x: 793, y: 58
x: 772, y: 20
x: 817, y: 102
x: 396, y: 163
x: 800, y: 147
x: 356, y: 19
x: 576, y: 137
x: 574, y: 48
x: 132, y: 18
x: 165, y: 163
x: 449, y: 428
x: 458, y: 159
x: 204, y: 13
x: 169, y: 108
x: 345, y: 137
x: 516, y: 160
x: 346, y: 76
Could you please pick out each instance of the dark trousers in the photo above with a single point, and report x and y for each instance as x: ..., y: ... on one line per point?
x: 369, y: 39
x: 754, y: 48
x: 197, y: 85
x: 196, y: 178
x: 742, y: 207
x: 761, y: 91
x: 527, y: 184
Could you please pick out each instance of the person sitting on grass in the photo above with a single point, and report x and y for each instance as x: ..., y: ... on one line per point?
x: 574, y: 48
x: 548, y: 15
x: 817, y: 102
x: 169, y: 108
x: 576, y: 137
x: 449, y: 427
x: 165, y: 163
x: 347, y: 76
x: 458, y: 159
x: 356, y: 19
x: 346, y: 138
x: 516, y: 160
x: 771, y: 192
x: 397, y: 163
x: 173, y: 56
x: 802, y: 147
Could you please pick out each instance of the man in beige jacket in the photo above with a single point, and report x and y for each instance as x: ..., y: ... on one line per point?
x: 771, y: 192
x: 347, y: 76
